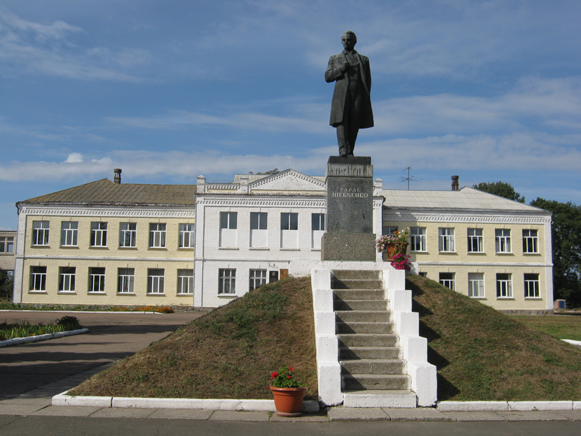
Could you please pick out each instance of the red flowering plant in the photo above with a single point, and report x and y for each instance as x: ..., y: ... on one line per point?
x: 401, y: 261
x: 285, y: 378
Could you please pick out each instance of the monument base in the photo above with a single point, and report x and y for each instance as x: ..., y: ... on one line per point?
x: 348, y: 246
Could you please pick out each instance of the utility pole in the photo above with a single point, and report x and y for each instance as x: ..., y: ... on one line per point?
x: 408, y: 178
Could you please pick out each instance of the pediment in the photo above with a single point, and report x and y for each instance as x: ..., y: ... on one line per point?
x: 288, y: 181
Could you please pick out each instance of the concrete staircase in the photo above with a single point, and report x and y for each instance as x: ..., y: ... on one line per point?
x: 372, y: 371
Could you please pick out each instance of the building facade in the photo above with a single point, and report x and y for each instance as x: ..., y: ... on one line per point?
x: 115, y: 244
x: 7, y: 258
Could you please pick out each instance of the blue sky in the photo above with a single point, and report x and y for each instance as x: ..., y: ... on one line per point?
x: 169, y: 90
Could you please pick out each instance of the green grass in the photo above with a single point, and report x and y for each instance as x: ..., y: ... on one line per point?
x: 482, y: 354
x: 25, y: 329
x: 228, y: 353
x: 6, y: 305
x: 557, y: 326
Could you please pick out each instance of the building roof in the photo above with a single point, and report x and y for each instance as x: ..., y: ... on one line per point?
x: 105, y: 191
x: 464, y: 199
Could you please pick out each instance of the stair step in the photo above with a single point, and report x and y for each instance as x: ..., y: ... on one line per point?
x: 356, y: 284
x: 356, y: 353
x: 380, y: 398
x: 361, y: 294
x: 363, y: 315
x: 367, y: 340
x: 373, y: 366
x: 375, y: 381
x: 364, y: 327
x: 359, y: 304
x: 356, y: 274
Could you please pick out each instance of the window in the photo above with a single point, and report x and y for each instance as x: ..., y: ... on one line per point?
x: 187, y: 235
x: 388, y: 230
x: 69, y: 231
x: 258, y: 229
x: 476, y: 285
x: 155, y: 281
x: 503, y: 286
x: 446, y: 239
x: 157, y: 236
x: 127, y: 234
x: 226, y: 281
x: 126, y: 280
x: 96, y: 280
x: 98, y: 234
x: 532, y: 286
x: 185, y: 281
x: 67, y: 279
x: 40, y: 232
x: 38, y: 278
x: 318, y: 229
x: 289, y: 225
x: 423, y: 274
x: 6, y: 244
x: 475, y: 241
x: 257, y: 278
x: 228, y: 228
x: 418, y: 239
x: 448, y: 280
x: 530, y: 241
x: 502, y: 240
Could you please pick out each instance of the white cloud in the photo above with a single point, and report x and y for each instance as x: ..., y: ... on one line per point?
x: 74, y: 158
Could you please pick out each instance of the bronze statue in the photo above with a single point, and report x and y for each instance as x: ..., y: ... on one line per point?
x: 351, y: 106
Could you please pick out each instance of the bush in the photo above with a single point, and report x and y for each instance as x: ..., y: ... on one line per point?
x: 69, y: 322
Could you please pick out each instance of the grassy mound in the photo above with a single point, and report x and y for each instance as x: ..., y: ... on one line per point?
x: 229, y: 353
x: 482, y: 354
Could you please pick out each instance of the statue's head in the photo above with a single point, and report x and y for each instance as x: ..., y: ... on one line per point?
x: 349, y: 39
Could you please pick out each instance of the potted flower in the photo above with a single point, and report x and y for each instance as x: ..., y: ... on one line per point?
x: 401, y: 261
x: 395, y: 243
x: 288, y: 392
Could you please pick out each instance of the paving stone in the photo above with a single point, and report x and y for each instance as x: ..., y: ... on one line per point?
x: 540, y: 415
x: 415, y: 414
x: 353, y: 414
x: 307, y: 417
x: 110, y: 412
x: 19, y: 409
x: 181, y: 414
x: 229, y: 415
x: 474, y: 416
x: 66, y: 411
x: 572, y: 415
x: 41, y: 402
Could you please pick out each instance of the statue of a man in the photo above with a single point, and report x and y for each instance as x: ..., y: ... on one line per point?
x: 351, y: 106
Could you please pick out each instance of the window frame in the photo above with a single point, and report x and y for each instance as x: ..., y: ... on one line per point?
x: 226, y: 281
x: 536, y: 286
x: 184, y: 277
x: 528, y: 240
x: 130, y: 231
x: 7, y: 244
x: 186, y: 235
x: 256, y: 280
x: 228, y: 220
x: 96, y: 278
x: 155, y: 281
x: 37, y: 231
x: 98, y: 234
x: 124, y: 278
x: 37, y: 277
x: 475, y: 240
x: 418, y: 239
x: 481, y: 291
x: 69, y: 229
x: 502, y: 242
x: 67, y: 279
x: 507, y: 289
x: 451, y: 280
x: 157, y: 235
x: 446, y: 240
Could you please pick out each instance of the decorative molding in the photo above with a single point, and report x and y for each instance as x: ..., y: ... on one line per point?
x: 110, y: 258
x: 285, y: 174
x: 123, y: 211
x: 494, y: 218
x: 263, y: 202
x: 489, y: 264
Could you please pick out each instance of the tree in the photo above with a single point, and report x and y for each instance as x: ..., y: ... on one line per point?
x: 566, y: 235
x: 501, y: 189
x: 6, y: 285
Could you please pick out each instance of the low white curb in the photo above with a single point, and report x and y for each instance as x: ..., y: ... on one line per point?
x: 38, y: 338
x: 504, y: 406
x: 174, y: 403
x: 572, y: 342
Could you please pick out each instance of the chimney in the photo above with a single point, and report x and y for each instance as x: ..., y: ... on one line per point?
x: 117, y: 178
x: 455, y: 183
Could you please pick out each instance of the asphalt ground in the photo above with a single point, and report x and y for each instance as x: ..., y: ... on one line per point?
x: 111, y: 337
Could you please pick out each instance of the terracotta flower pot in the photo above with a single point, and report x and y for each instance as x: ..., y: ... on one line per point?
x: 288, y: 401
x: 391, y: 251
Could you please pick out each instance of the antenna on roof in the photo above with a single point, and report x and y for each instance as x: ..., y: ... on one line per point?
x: 408, y: 178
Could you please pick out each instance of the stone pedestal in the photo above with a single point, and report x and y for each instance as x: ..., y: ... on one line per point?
x: 349, y: 234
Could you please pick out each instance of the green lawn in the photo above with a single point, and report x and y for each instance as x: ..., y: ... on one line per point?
x: 557, y: 326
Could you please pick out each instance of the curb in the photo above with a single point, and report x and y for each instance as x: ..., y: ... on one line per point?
x: 506, y: 406
x: 38, y: 338
x: 175, y: 403
x: 84, y: 311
